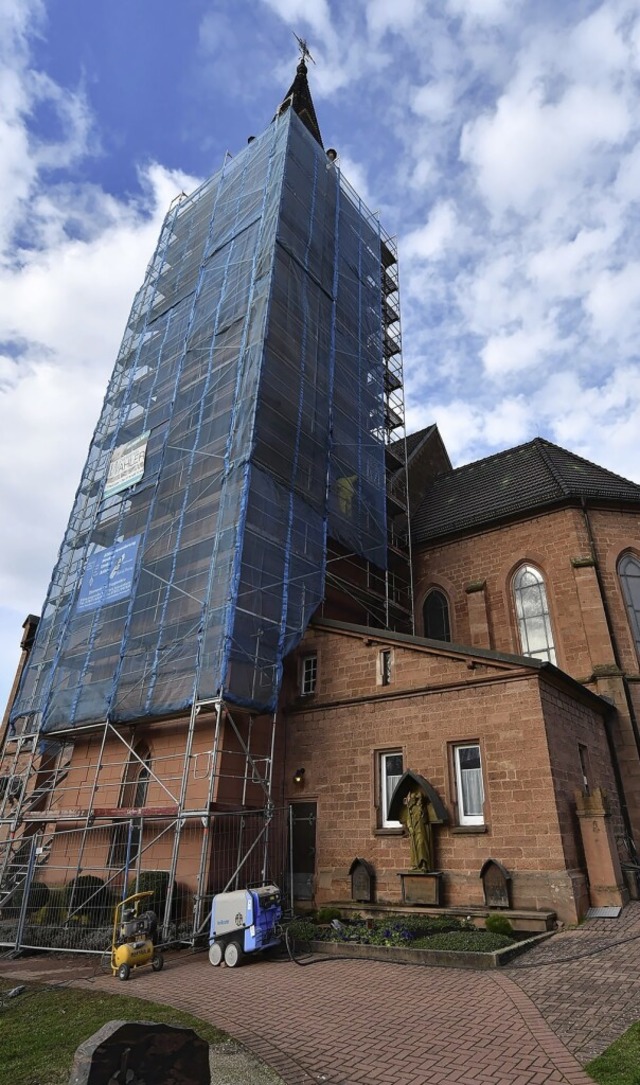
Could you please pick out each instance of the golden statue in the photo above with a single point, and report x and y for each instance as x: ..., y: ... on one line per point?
x: 416, y: 815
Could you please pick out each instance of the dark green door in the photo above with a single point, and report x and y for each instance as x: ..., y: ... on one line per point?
x: 303, y: 850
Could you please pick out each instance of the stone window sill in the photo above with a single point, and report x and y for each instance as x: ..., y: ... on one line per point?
x: 467, y: 830
x: 388, y: 832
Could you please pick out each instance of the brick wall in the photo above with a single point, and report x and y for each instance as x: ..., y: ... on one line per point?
x: 592, y: 635
x: 433, y: 703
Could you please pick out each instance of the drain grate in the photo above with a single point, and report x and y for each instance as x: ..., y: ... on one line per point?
x: 603, y: 913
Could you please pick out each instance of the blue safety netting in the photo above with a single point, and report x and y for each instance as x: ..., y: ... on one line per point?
x: 242, y: 425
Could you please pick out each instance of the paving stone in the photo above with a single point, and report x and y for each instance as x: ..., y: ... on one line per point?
x: 347, y: 1022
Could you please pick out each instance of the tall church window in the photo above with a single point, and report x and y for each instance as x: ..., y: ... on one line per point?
x: 629, y: 573
x: 435, y: 612
x: 532, y: 611
x: 133, y: 793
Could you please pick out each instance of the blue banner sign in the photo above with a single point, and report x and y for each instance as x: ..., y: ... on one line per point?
x: 109, y: 575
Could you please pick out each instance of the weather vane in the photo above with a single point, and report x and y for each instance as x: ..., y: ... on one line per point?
x: 304, y: 48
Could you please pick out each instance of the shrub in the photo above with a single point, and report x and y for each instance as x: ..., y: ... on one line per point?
x: 302, y: 930
x: 498, y: 924
x: 88, y: 901
x: 38, y: 895
x: 55, y: 911
x: 325, y: 915
x: 157, y: 882
x: 465, y: 942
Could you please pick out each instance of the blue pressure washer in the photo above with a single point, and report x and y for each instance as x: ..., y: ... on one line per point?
x: 244, y: 921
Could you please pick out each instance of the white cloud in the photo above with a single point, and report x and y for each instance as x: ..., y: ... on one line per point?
x: 434, y: 100
x: 383, y: 17
x: 529, y: 146
x: 430, y: 240
x: 485, y: 11
x: 613, y: 303
x: 522, y: 349
x: 66, y: 294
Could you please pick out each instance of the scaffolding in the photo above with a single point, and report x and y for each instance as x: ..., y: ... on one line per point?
x: 101, y: 816
x: 248, y: 465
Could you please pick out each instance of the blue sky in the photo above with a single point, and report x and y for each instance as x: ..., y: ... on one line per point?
x: 499, y: 140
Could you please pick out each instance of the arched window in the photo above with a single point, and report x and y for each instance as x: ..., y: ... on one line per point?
x: 136, y: 777
x: 629, y: 573
x: 532, y: 610
x: 436, y: 616
x: 127, y: 836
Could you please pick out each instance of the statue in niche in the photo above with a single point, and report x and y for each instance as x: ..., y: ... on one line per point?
x: 417, y: 817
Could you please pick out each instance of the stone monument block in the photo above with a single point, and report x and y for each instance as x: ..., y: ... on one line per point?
x: 141, y: 1053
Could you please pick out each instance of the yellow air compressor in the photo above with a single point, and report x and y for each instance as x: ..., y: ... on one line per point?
x: 132, y: 943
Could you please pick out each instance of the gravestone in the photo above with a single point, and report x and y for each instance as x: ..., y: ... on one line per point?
x: 362, y: 881
x: 141, y: 1053
x: 496, y: 884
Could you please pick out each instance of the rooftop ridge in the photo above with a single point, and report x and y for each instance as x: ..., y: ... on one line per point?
x: 540, y: 445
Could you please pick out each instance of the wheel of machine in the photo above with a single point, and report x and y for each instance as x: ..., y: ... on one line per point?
x: 233, y: 954
x: 157, y: 961
x: 215, y: 954
x: 124, y: 972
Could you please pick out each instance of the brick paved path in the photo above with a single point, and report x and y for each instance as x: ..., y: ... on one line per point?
x: 592, y: 999
x: 350, y: 1022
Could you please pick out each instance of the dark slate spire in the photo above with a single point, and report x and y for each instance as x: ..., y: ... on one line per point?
x: 298, y: 98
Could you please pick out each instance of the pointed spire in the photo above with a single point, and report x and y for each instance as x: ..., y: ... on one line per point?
x: 298, y: 98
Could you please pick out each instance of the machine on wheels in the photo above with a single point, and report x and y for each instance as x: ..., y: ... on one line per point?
x: 132, y: 944
x: 244, y: 921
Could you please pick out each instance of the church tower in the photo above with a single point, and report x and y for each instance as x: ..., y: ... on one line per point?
x: 250, y: 429
x: 248, y: 471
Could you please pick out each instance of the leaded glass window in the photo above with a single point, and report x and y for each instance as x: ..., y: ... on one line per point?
x: 532, y: 611
x: 629, y: 573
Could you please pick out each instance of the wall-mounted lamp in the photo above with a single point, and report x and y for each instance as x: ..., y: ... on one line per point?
x: 332, y: 154
x: 298, y: 777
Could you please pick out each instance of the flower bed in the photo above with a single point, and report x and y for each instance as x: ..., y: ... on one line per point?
x: 420, y: 939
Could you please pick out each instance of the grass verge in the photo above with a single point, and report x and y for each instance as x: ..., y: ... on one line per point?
x: 41, y: 1028
x: 620, y: 1063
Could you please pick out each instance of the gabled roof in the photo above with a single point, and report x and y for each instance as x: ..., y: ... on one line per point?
x: 532, y: 476
x: 298, y: 98
x: 414, y: 440
x: 502, y: 661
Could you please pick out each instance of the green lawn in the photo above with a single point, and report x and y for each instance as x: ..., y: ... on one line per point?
x: 620, y: 1063
x: 41, y: 1028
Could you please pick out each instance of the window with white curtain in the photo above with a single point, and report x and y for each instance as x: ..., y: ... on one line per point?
x: 629, y: 573
x: 390, y: 771
x: 469, y: 784
x: 532, y: 611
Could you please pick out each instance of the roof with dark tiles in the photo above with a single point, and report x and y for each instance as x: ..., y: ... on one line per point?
x: 413, y: 440
x: 531, y: 476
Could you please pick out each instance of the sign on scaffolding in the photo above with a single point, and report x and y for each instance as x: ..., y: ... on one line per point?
x: 109, y: 575
x: 127, y: 465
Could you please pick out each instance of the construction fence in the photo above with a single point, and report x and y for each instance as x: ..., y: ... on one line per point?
x: 57, y: 895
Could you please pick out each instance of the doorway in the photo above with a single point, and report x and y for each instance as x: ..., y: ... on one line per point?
x: 304, y: 816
